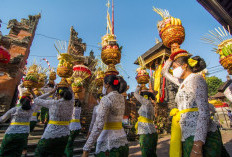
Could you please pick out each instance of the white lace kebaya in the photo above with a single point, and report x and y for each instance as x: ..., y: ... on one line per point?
x: 228, y: 92
x: 111, y: 109
x: 34, y: 114
x: 59, y: 110
x: 94, y: 116
x: 75, y: 116
x: 17, y: 114
x: 146, y: 110
x: 192, y: 93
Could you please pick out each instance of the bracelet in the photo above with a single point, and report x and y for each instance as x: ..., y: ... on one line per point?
x: 196, y: 152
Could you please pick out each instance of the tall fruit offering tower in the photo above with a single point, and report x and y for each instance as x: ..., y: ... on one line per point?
x: 170, y: 29
x: 111, y: 52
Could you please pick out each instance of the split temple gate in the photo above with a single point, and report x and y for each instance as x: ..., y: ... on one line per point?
x: 77, y: 48
x: 18, y: 43
x: 154, y: 59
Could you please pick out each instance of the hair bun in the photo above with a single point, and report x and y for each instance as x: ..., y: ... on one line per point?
x: 26, y: 103
x: 122, y: 85
x: 116, y: 82
x: 65, y: 93
x: 201, y: 65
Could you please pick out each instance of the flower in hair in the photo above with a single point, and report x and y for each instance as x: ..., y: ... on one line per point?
x: 60, y: 91
x: 116, y: 82
x: 25, y: 97
x: 145, y: 96
x: 192, y: 62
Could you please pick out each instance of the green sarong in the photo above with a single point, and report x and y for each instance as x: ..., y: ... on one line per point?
x: 44, y: 115
x: 122, y: 151
x: 32, y: 125
x: 69, y: 148
x: 13, y: 145
x: 212, y: 147
x: 148, y: 143
x: 51, y: 147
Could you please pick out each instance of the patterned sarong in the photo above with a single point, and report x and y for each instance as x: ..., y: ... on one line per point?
x: 148, y: 143
x: 122, y: 151
x: 13, y: 144
x: 69, y: 148
x: 51, y: 147
x: 212, y: 147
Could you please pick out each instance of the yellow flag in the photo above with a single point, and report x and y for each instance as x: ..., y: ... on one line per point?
x: 157, y: 77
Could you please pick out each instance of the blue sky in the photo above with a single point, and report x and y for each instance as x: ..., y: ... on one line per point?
x: 135, y: 27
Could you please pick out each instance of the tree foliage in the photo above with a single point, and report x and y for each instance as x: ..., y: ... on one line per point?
x: 213, y: 83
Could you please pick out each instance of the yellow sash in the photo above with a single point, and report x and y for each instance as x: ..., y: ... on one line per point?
x: 75, y: 120
x: 34, y: 114
x: 58, y: 122
x: 113, y: 126
x: 175, y: 142
x: 143, y: 120
x: 20, y: 123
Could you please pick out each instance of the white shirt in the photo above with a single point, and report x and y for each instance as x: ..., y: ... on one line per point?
x: 59, y: 110
x: 75, y: 115
x: 18, y: 115
x: 111, y: 109
x: 94, y: 116
x: 146, y: 110
x: 192, y: 93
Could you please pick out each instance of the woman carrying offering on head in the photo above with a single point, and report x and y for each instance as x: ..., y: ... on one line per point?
x: 55, y: 136
x: 107, y: 130
x: 145, y: 126
x: 15, y: 139
x: 193, y: 132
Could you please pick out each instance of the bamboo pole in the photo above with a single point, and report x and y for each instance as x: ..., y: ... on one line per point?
x: 113, y: 16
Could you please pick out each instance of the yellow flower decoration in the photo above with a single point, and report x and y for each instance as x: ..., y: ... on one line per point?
x: 192, y: 62
x: 60, y: 91
x: 145, y: 96
x: 100, y: 97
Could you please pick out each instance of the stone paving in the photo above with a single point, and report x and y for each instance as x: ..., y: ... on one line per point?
x: 163, y: 145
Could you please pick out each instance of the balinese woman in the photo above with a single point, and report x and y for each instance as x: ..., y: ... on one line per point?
x: 107, y: 130
x: 15, y: 139
x: 55, y: 136
x: 145, y: 127
x: 75, y: 127
x: 33, y: 121
x: 191, y: 122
